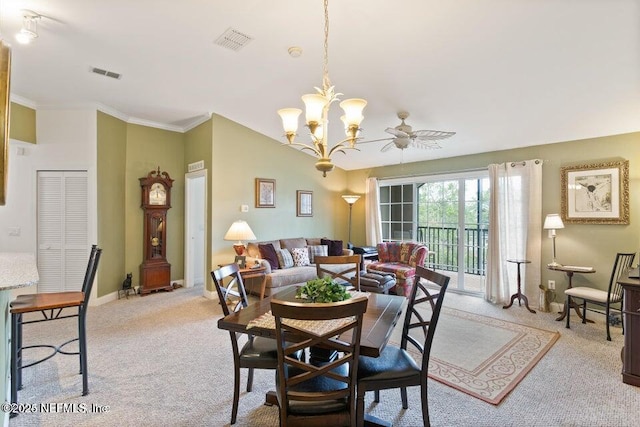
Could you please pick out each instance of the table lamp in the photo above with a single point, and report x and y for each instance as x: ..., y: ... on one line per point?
x: 553, y: 222
x: 239, y: 231
x: 351, y: 199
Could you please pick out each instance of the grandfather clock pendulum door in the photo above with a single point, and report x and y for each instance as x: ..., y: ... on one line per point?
x: 155, y: 271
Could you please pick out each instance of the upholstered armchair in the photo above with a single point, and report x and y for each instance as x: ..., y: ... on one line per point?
x: 400, y: 258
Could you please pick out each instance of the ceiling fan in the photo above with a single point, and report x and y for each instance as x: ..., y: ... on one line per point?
x: 404, y: 137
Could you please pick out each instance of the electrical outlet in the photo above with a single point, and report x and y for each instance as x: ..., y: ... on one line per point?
x: 551, y: 285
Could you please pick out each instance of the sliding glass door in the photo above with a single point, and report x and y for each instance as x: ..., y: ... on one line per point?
x: 449, y: 214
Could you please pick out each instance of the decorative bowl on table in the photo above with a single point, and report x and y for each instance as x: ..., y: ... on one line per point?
x: 322, y: 290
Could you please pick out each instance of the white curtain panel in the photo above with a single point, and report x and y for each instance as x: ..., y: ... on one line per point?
x: 373, y: 230
x: 515, y: 227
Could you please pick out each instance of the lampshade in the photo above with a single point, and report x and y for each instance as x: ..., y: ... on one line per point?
x: 553, y: 222
x: 239, y: 231
x: 350, y: 198
x: 290, y: 119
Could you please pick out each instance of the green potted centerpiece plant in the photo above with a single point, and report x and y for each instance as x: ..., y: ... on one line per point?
x: 322, y: 290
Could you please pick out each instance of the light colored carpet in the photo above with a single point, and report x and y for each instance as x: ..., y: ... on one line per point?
x: 483, y: 356
x: 160, y: 360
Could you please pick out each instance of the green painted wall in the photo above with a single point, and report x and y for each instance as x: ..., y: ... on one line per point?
x: 239, y: 156
x: 22, y: 123
x: 146, y: 149
x: 198, y: 146
x: 577, y: 244
x: 111, y: 176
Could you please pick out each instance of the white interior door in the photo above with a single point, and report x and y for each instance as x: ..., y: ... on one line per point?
x: 63, y: 224
x: 195, y: 227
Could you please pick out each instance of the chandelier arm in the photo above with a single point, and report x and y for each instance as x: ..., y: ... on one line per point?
x: 305, y: 147
x: 341, y: 147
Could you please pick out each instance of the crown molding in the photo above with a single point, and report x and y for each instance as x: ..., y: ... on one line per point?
x: 197, y: 121
x: 22, y: 101
x: 149, y: 123
x: 112, y: 112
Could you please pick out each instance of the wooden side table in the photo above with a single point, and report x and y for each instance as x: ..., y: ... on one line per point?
x: 254, y: 273
x: 519, y: 294
x: 569, y: 270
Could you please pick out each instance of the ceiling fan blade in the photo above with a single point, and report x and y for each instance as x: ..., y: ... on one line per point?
x: 425, y: 144
x: 388, y: 147
x: 432, y: 135
x: 374, y: 140
x: 397, y: 133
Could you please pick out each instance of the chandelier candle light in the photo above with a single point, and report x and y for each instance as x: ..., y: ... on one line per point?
x: 553, y: 222
x: 317, y: 110
x: 239, y: 231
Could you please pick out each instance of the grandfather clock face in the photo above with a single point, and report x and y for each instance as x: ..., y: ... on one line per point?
x: 157, y: 194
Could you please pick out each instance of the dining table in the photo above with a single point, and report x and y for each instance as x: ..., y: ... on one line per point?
x: 379, y: 321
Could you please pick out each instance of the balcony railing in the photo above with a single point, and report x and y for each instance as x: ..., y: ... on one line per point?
x: 443, y: 243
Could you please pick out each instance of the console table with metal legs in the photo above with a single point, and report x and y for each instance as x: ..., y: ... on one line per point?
x: 519, y: 295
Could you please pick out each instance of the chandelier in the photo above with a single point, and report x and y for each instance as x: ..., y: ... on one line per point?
x: 317, y: 111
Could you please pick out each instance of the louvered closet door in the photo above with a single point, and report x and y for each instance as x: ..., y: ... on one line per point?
x: 63, y: 247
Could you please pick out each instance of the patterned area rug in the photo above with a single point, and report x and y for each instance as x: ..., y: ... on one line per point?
x: 485, y: 357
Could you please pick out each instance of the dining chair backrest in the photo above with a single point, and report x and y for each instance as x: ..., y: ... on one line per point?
x: 622, y: 263
x: 231, y: 272
x: 420, y: 321
x: 90, y: 273
x: 343, y: 268
x: 306, y: 388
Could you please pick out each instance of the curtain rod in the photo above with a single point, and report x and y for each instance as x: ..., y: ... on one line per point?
x: 435, y: 173
x: 513, y: 164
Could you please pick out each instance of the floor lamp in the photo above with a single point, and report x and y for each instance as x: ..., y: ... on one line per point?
x: 351, y: 199
x: 553, y: 222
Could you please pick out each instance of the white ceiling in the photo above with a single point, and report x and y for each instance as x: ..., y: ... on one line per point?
x: 500, y: 73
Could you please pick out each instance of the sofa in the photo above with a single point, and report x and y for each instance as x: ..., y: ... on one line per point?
x: 288, y: 269
x: 400, y: 258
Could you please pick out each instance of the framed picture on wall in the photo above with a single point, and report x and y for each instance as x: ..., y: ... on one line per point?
x: 304, y: 204
x: 596, y: 193
x: 265, y: 193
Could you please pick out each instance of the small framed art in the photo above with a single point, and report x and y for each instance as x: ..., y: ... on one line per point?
x: 265, y: 193
x: 304, y: 204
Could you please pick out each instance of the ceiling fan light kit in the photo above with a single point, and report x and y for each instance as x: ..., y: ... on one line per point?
x: 404, y: 136
x: 317, y: 111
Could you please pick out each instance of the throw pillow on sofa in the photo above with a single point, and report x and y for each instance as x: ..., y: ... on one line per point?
x: 314, y: 250
x: 268, y: 252
x: 285, y: 259
x: 335, y: 246
x: 300, y: 257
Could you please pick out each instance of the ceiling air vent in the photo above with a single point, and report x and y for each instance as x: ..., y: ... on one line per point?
x: 106, y: 73
x: 233, y: 39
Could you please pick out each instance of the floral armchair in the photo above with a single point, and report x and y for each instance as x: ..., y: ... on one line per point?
x: 400, y: 258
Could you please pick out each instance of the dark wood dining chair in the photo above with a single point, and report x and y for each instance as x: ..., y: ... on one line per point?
x: 611, y: 299
x: 256, y: 353
x: 341, y: 268
x: 396, y: 368
x: 52, y: 306
x: 310, y: 393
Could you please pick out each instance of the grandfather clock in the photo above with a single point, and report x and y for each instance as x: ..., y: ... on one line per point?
x: 155, y: 271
